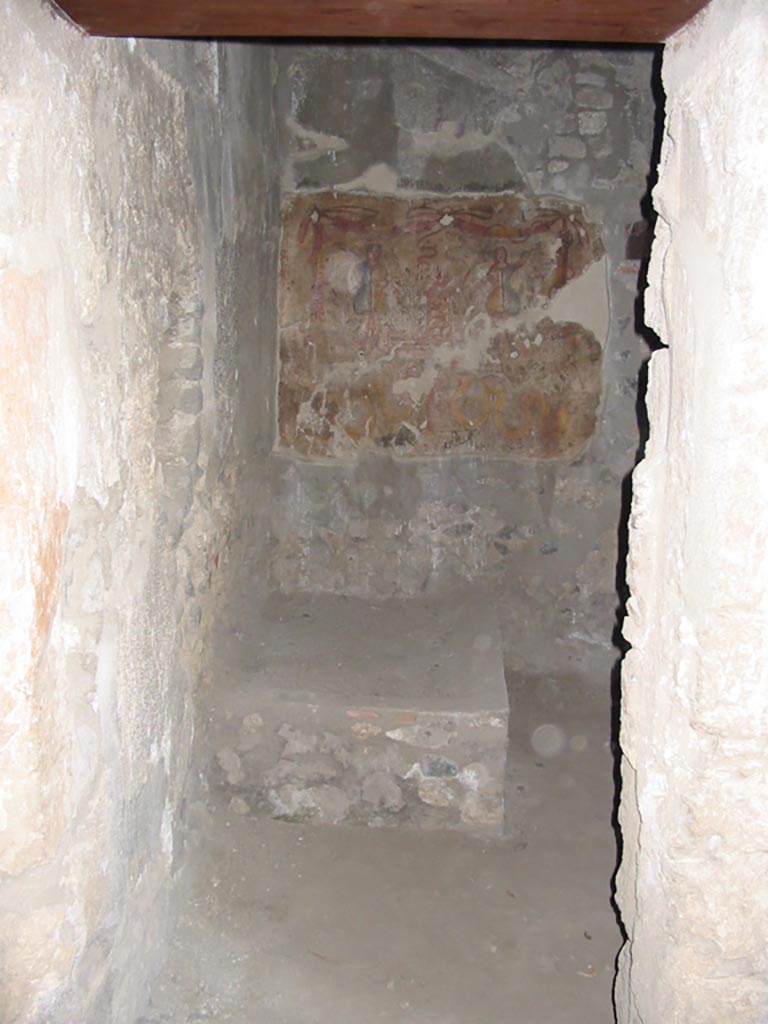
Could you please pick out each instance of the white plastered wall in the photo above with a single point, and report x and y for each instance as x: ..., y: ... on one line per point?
x: 136, y: 301
x: 693, y: 885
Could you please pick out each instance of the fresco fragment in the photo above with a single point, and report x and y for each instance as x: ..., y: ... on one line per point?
x: 421, y: 326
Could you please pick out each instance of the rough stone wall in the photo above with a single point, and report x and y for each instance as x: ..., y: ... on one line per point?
x: 574, y: 126
x: 119, y: 430
x: 694, y: 807
x: 242, y: 191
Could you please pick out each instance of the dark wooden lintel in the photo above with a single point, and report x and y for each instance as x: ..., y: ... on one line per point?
x: 586, y: 21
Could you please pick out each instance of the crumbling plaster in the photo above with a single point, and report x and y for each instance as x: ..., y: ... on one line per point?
x: 438, y: 121
x: 694, y: 806
x: 123, y: 217
x: 415, y: 326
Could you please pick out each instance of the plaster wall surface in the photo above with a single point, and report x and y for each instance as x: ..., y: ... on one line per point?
x: 413, y: 326
x: 694, y: 805
x: 368, y: 516
x: 121, y: 225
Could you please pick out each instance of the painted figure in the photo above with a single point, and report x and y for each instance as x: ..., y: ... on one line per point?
x: 369, y: 298
x: 364, y: 300
x: 503, y: 299
x: 437, y: 328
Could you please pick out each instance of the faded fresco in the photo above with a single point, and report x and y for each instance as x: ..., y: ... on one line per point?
x: 421, y: 325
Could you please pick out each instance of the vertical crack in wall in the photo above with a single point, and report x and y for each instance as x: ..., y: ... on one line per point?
x: 694, y: 811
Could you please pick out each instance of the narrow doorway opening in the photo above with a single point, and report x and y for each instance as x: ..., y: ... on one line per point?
x: 408, y: 754
x: 318, y: 397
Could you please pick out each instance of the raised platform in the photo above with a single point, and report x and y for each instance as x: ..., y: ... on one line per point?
x: 378, y: 713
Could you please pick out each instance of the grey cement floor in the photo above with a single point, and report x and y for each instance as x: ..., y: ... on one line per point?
x: 291, y: 924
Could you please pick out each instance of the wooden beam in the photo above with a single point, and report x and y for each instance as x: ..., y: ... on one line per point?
x: 586, y: 21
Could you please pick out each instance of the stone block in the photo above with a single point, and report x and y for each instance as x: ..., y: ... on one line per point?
x: 594, y: 98
x: 592, y: 122
x: 570, y: 147
x: 179, y: 438
x: 181, y: 360
x: 182, y: 396
x: 370, y: 713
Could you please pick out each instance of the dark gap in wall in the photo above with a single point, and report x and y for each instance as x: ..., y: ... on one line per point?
x: 652, y: 341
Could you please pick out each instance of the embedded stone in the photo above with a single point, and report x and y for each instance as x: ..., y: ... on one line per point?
x: 179, y: 396
x: 382, y: 792
x: 248, y: 741
x: 358, y: 529
x: 491, y: 721
x: 250, y: 734
x: 296, y: 741
x: 592, y: 122
x: 389, y: 759
x: 291, y: 802
x: 438, y: 767
x: 481, y: 810
x: 366, y: 729
x: 597, y: 99
x: 569, y: 147
x: 327, y: 805
x: 475, y: 776
x: 431, y: 735
x: 304, y: 768
x: 181, y: 359
x: 229, y: 762
x: 179, y: 438
x: 333, y: 745
x: 238, y: 806
x: 436, y: 793
x: 590, y: 78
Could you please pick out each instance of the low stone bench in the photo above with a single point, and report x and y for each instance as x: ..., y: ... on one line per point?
x: 383, y: 713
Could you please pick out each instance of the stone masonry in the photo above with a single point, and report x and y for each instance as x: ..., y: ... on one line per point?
x: 445, y: 417
x: 355, y: 712
x: 120, y: 430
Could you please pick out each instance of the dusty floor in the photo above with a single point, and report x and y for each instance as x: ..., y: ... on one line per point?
x: 291, y: 924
